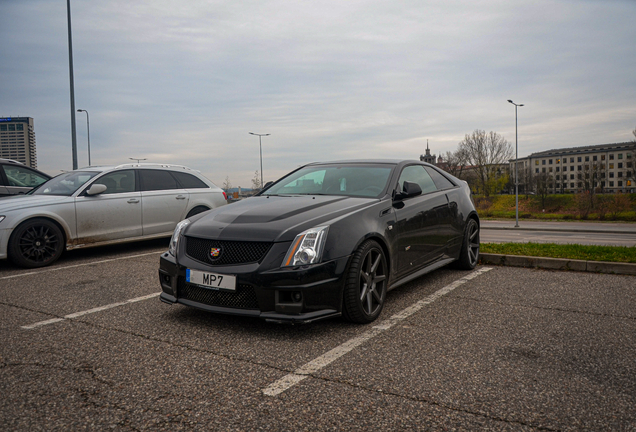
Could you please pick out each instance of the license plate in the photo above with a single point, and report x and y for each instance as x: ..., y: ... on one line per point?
x: 211, y: 280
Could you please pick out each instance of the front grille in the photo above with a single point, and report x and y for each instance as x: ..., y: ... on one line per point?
x: 243, y: 298
x: 232, y: 252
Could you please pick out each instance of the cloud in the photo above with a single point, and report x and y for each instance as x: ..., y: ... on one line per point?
x: 185, y: 82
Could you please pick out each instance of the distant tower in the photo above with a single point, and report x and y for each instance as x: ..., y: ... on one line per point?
x: 428, y: 157
x: 17, y: 140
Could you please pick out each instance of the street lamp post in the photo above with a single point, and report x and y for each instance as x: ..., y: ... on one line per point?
x: 88, y: 134
x: 70, y: 73
x: 516, y: 166
x: 261, y: 152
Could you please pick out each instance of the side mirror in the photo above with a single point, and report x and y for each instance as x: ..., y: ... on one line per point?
x: 409, y: 189
x: 96, y: 189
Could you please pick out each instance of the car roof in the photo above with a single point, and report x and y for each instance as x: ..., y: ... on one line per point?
x: 102, y: 168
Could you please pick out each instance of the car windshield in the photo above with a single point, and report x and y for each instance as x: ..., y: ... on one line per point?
x: 355, y: 180
x: 65, y: 184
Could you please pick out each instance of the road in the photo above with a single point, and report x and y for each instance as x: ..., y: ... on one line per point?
x: 587, y: 233
x: 88, y: 345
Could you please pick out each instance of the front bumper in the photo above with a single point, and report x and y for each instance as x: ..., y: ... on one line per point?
x: 291, y: 295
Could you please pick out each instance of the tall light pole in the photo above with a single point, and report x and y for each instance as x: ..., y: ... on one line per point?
x: 261, y: 151
x: 516, y: 166
x: 88, y: 134
x: 70, y: 73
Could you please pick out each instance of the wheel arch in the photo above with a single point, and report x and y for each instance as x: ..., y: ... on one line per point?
x: 62, y: 226
x: 202, y: 207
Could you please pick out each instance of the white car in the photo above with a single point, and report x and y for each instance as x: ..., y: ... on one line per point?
x: 101, y: 205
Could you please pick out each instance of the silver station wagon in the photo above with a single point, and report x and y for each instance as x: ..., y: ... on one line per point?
x: 101, y: 205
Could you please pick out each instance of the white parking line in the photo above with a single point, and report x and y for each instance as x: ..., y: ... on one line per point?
x: 90, y: 311
x: 315, y: 365
x: 79, y: 265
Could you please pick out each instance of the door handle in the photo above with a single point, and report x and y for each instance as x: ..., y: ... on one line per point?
x: 133, y: 201
x: 180, y: 197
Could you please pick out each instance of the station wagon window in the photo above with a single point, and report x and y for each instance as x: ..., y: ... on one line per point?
x: 118, y: 182
x: 417, y: 174
x: 188, y: 181
x: 152, y: 180
x: 65, y: 184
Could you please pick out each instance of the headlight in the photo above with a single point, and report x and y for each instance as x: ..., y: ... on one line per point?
x: 307, y: 247
x: 174, y: 241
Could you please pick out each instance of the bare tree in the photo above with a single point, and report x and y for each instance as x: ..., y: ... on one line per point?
x: 256, y: 181
x: 455, y: 162
x: 486, y: 153
x: 542, y: 184
x: 634, y: 133
x: 227, y: 184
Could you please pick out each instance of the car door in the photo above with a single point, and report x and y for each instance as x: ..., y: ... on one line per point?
x: 19, y: 180
x: 450, y: 222
x: 112, y: 215
x: 164, y: 202
x: 417, y: 221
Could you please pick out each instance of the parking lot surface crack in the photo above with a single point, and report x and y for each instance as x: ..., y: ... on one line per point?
x: 547, y: 308
x: 438, y: 404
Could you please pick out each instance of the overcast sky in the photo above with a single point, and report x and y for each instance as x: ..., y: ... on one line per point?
x: 184, y: 82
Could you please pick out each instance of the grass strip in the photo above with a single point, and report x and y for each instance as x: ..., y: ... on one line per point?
x: 569, y: 251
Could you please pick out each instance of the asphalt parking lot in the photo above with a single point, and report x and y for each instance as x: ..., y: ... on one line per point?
x: 88, y: 345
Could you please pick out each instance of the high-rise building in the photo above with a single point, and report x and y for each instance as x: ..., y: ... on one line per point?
x: 17, y: 140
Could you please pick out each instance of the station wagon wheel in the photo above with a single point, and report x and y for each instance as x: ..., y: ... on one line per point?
x: 36, y: 243
x: 365, y: 287
x: 469, y: 255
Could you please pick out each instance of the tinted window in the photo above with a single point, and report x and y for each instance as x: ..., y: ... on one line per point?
x: 157, y: 180
x: 417, y: 174
x: 360, y: 180
x: 188, y: 181
x: 118, y: 182
x: 440, y: 181
x: 22, y: 177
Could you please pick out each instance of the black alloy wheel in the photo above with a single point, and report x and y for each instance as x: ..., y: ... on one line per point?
x: 365, y: 287
x: 36, y: 243
x: 469, y: 256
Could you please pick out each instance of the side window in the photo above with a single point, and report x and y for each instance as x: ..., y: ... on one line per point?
x: 23, y: 177
x: 152, y: 180
x: 440, y: 181
x: 118, y: 182
x: 417, y: 174
x: 188, y: 181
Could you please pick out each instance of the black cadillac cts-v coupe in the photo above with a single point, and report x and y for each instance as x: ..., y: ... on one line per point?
x: 326, y: 240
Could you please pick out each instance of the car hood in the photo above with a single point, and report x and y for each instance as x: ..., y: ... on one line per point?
x: 19, y: 202
x: 273, y: 218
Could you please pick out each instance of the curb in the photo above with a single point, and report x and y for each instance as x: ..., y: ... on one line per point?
x: 559, y: 230
x: 558, y: 264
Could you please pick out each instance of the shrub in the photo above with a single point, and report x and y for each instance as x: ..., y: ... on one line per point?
x: 620, y: 203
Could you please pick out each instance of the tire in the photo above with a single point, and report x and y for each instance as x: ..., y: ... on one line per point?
x: 469, y: 255
x: 196, y: 211
x: 365, y: 285
x: 36, y: 243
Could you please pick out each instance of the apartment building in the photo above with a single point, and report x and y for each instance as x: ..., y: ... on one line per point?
x: 607, y: 168
x: 17, y: 140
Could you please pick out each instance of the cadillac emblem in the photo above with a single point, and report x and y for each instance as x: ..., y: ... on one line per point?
x: 215, y: 253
